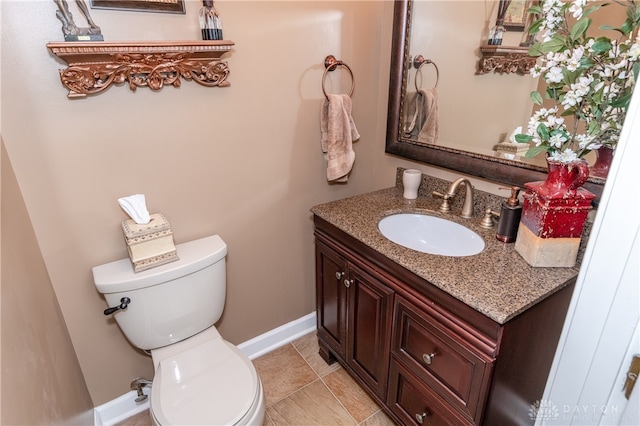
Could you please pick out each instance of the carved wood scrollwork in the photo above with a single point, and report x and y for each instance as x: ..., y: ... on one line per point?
x: 94, y: 67
x: 505, y: 60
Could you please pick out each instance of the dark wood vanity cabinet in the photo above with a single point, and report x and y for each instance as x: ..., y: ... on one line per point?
x: 424, y: 356
x: 354, y: 317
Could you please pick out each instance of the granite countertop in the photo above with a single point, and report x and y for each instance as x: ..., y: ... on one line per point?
x: 498, y: 282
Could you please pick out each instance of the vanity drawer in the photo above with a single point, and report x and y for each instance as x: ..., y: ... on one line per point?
x: 417, y: 404
x: 454, y: 370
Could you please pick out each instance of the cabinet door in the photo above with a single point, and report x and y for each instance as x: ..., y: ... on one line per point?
x: 331, y: 299
x: 370, y: 312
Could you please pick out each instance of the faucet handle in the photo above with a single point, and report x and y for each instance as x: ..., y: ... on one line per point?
x: 487, y: 219
x: 444, y: 206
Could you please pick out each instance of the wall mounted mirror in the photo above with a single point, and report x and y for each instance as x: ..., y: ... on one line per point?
x: 476, y: 111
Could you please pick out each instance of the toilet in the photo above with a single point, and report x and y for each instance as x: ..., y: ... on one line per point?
x: 199, y: 379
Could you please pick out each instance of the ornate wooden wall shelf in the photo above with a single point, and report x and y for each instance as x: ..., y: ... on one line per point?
x: 505, y: 60
x: 95, y: 66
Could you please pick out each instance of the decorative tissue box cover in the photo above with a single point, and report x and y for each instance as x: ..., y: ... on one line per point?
x: 515, y: 148
x: 151, y: 244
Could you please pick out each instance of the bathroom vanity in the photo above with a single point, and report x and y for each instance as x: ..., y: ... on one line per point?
x: 434, y: 339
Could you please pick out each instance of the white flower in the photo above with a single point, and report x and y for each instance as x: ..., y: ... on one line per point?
x: 571, y: 99
x: 557, y: 140
x: 576, y: 8
x: 566, y: 156
x: 584, y: 141
x: 554, y: 75
x: 634, y: 51
x: 585, y: 83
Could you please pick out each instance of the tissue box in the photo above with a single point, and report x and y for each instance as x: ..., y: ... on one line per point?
x: 514, y: 148
x: 149, y: 245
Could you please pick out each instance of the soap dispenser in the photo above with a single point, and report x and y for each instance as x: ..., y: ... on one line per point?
x: 509, y: 217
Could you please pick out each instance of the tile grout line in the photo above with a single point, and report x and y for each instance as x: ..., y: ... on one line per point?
x: 302, y: 387
x: 355, y: 422
x: 329, y: 389
x: 321, y: 379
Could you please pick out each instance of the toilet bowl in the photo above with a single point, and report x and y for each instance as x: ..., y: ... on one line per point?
x: 200, y: 379
x: 205, y: 380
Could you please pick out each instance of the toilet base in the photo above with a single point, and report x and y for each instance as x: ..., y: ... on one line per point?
x: 254, y: 417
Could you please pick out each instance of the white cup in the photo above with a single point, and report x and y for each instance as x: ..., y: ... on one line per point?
x: 411, y: 179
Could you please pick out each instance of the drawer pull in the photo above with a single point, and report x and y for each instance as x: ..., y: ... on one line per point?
x: 339, y: 275
x: 428, y: 358
x: 347, y: 282
x: 420, y: 417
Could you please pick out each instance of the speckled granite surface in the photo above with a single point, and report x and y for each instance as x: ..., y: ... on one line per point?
x: 497, y: 282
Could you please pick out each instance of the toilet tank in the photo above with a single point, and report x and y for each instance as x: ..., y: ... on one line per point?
x: 170, y: 302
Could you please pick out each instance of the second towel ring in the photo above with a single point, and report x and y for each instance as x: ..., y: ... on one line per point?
x: 418, y: 62
x: 330, y: 64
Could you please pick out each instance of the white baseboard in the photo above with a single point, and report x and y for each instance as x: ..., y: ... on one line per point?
x: 123, y: 407
x: 280, y: 336
x: 119, y: 409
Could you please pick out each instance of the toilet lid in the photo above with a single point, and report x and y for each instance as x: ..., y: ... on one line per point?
x: 211, y: 384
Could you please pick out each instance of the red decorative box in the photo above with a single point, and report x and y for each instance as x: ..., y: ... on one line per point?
x: 555, y: 216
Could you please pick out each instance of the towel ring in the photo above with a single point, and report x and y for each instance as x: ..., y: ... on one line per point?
x: 330, y: 64
x: 418, y: 62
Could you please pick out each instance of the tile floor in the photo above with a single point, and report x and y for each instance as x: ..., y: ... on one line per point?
x: 301, y: 389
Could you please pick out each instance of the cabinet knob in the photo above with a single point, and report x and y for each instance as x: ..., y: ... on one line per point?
x: 339, y: 275
x: 428, y: 358
x: 420, y: 417
x: 348, y: 282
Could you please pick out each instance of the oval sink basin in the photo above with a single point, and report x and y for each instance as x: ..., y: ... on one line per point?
x: 430, y: 234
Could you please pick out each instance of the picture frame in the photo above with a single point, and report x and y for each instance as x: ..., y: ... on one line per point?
x: 166, y: 6
x: 516, y: 17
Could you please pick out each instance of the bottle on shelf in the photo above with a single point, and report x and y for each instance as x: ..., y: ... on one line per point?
x: 210, y: 22
x: 496, y: 33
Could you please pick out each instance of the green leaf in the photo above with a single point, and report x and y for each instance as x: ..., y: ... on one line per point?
x: 570, y: 77
x: 535, y: 150
x: 626, y: 28
x: 622, y: 101
x: 554, y: 92
x: 522, y: 138
x: 636, y: 71
x: 586, y: 63
x: 535, y: 9
x: 601, y: 45
x: 597, y: 96
x: 580, y: 28
x: 536, y: 50
x: 535, y: 26
x: 557, y: 43
x: 536, y: 97
x: 590, y: 10
x: 594, y: 128
x: 543, y: 131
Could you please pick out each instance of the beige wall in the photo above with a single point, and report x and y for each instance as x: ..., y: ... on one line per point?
x: 476, y: 111
x: 242, y: 161
x: 41, y: 378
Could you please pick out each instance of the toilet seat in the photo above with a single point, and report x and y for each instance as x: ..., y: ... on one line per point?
x: 213, y: 383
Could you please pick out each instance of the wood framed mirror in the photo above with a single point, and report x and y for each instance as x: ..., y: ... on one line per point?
x: 483, y: 163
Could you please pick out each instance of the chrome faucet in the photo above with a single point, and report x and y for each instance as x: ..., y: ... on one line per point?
x: 467, y: 207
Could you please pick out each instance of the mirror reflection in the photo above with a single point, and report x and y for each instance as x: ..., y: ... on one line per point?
x: 476, y: 111
x: 435, y: 62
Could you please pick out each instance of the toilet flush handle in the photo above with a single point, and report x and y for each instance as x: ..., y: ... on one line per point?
x: 124, y: 302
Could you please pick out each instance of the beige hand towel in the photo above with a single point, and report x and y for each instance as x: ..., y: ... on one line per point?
x: 338, y: 131
x: 422, y: 122
x: 430, y: 131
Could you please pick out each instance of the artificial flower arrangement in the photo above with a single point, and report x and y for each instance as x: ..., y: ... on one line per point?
x: 588, y: 78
